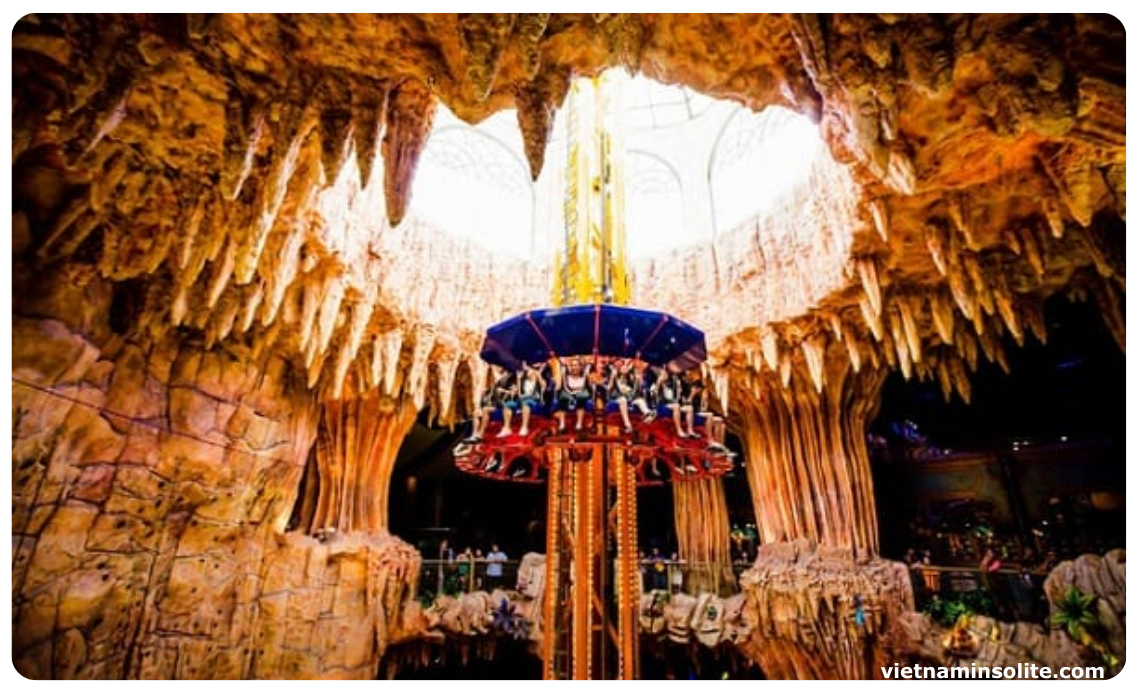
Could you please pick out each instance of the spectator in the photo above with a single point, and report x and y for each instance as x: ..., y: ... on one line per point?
x: 464, y: 569
x: 658, y: 578
x: 676, y: 573
x: 495, y: 559
x: 478, y: 562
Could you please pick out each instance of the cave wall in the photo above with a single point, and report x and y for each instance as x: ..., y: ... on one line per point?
x: 152, y: 484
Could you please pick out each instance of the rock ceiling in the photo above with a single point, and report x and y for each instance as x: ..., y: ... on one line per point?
x: 245, y: 178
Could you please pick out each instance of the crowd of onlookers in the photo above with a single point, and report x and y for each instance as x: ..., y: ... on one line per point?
x: 471, y: 569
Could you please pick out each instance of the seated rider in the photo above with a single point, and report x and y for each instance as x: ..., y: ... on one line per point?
x: 693, y: 397
x: 667, y: 393
x: 488, y: 403
x: 506, y: 394
x: 574, y: 392
x: 624, y: 386
x: 531, y: 387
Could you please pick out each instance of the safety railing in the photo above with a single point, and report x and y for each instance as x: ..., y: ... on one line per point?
x: 452, y: 577
x: 1007, y: 594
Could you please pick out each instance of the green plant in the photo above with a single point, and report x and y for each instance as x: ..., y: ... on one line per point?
x: 979, y: 601
x: 1076, y: 614
x: 946, y: 612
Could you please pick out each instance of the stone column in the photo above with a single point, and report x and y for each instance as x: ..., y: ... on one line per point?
x: 823, y: 599
x: 700, y: 515
x: 357, y: 444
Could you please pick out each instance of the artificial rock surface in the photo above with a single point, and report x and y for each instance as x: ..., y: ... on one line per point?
x: 213, y: 260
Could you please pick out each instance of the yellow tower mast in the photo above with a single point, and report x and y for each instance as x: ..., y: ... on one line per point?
x: 591, y: 260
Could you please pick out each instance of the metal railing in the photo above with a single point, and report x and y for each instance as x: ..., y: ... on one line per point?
x: 452, y: 577
x: 1007, y: 594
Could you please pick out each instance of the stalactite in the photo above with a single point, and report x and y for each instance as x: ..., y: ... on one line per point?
x: 961, y: 380
x: 536, y: 104
x: 312, y: 292
x: 880, y: 216
x: 290, y: 134
x: 335, y: 125
x: 445, y: 370
x: 528, y: 32
x: 415, y: 385
x: 360, y: 313
x: 852, y: 346
x: 806, y: 453
x: 942, y: 315
x: 936, y: 244
x: 869, y: 277
x: 981, y: 292
x: 769, y: 346
x: 369, y: 109
x: 1052, y: 212
x: 245, y: 126
x: 1033, y: 311
x: 956, y: 279
x: 78, y: 207
x: 250, y: 307
x: 330, y: 304
x: 958, y: 207
x: 1006, y: 307
x: 813, y: 354
x: 900, y: 171
x: 1078, y: 186
x: 284, y: 271
x: 899, y: 340
x: 1093, y: 246
x: 222, y: 271
x: 1032, y: 245
x: 785, y: 369
x: 392, y: 342
x: 1108, y: 301
x: 411, y: 111
x: 908, y: 307
x: 873, y: 320
x: 483, y: 38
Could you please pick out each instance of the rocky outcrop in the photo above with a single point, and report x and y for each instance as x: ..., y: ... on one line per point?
x: 819, y: 614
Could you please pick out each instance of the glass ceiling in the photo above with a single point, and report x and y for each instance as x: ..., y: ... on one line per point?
x: 694, y: 167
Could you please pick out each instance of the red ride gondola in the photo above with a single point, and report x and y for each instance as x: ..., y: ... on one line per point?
x: 594, y: 333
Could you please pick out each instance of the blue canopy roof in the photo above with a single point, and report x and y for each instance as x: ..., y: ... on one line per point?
x: 605, y: 329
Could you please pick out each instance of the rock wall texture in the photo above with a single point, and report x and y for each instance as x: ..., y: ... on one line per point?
x: 217, y: 287
x: 153, y: 482
x: 820, y: 614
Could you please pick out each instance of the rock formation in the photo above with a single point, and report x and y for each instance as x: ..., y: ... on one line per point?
x: 217, y: 287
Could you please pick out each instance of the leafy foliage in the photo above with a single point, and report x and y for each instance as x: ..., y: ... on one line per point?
x: 947, y: 612
x: 508, y: 622
x: 1076, y: 614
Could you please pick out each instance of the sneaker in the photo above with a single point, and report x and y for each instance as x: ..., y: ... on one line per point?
x: 523, y: 432
x: 649, y: 417
x: 503, y: 434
